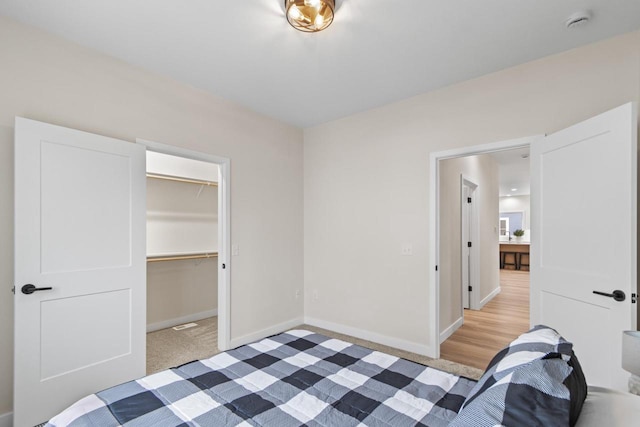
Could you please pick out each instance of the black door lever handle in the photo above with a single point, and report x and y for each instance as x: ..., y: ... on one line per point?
x: 29, y: 289
x: 616, y: 295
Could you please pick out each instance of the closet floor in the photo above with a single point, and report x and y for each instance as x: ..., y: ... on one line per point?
x: 168, y: 348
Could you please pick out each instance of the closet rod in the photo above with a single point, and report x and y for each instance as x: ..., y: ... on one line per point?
x: 180, y: 257
x: 178, y: 179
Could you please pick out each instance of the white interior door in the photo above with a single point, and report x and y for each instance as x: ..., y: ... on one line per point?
x: 80, y: 231
x: 581, y: 178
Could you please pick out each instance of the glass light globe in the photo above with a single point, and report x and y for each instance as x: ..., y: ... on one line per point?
x: 310, y: 15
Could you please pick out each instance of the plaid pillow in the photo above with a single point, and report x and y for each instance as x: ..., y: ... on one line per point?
x: 538, y: 342
x: 531, y: 395
x: 536, y: 380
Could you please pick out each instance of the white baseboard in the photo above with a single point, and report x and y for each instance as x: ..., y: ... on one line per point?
x: 181, y: 320
x: 489, y: 297
x: 444, y: 335
x: 272, y: 330
x: 6, y: 420
x: 372, y: 336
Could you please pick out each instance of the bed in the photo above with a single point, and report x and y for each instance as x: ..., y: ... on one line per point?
x: 303, y: 378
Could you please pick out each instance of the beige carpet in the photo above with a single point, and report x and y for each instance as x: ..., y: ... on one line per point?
x: 168, y: 348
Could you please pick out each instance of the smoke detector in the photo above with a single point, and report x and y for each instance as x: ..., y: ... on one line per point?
x: 578, y: 19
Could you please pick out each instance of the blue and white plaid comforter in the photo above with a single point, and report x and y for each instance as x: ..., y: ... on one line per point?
x: 292, y: 379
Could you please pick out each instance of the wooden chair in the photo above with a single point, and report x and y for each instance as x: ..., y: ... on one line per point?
x: 503, y: 259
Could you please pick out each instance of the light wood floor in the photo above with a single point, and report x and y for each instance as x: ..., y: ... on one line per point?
x: 487, y: 331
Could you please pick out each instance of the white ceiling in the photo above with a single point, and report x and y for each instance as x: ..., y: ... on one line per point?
x: 375, y: 52
x: 514, y: 171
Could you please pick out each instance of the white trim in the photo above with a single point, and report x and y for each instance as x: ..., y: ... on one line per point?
x: 181, y: 320
x: 489, y: 297
x: 267, y: 332
x: 6, y: 420
x: 491, y: 147
x: 444, y: 335
x: 434, y: 220
x: 224, y: 230
x: 370, y: 336
x: 434, y: 258
x: 224, y: 242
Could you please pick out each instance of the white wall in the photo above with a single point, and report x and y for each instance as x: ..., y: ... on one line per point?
x: 357, y: 219
x: 46, y: 78
x: 182, y: 218
x: 181, y: 291
x: 482, y: 170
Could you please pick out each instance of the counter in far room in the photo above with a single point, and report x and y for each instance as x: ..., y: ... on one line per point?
x: 512, y: 245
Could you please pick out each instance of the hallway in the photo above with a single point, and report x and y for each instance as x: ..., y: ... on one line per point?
x: 487, y: 331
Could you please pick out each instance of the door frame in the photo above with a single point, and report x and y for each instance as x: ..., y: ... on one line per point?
x: 224, y: 229
x: 474, y: 236
x: 434, y: 224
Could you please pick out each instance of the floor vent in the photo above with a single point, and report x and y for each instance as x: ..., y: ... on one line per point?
x: 185, y: 326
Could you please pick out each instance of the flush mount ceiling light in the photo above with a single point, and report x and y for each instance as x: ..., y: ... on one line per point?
x: 310, y: 15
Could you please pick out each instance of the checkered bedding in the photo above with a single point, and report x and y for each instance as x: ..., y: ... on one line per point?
x: 292, y: 379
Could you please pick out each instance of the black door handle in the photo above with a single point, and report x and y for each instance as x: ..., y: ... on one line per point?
x: 29, y: 289
x: 616, y: 295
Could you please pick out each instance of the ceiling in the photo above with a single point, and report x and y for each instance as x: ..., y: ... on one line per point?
x: 514, y: 171
x: 376, y: 51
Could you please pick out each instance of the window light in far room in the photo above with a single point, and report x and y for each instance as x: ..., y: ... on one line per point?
x: 310, y: 15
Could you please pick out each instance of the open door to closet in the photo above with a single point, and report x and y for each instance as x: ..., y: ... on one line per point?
x: 182, y: 260
x: 79, y: 266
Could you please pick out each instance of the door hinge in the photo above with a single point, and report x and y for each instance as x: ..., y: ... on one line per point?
x: 224, y: 266
x: 470, y: 288
x: 436, y: 268
x: 634, y: 298
x: 468, y: 244
x: 13, y: 290
x: 468, y: 199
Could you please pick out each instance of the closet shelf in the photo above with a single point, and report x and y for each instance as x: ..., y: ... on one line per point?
x: 180, y: 179
x: 203, y: 255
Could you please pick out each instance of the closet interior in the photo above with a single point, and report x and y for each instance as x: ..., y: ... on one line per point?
x: 182, y: 267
